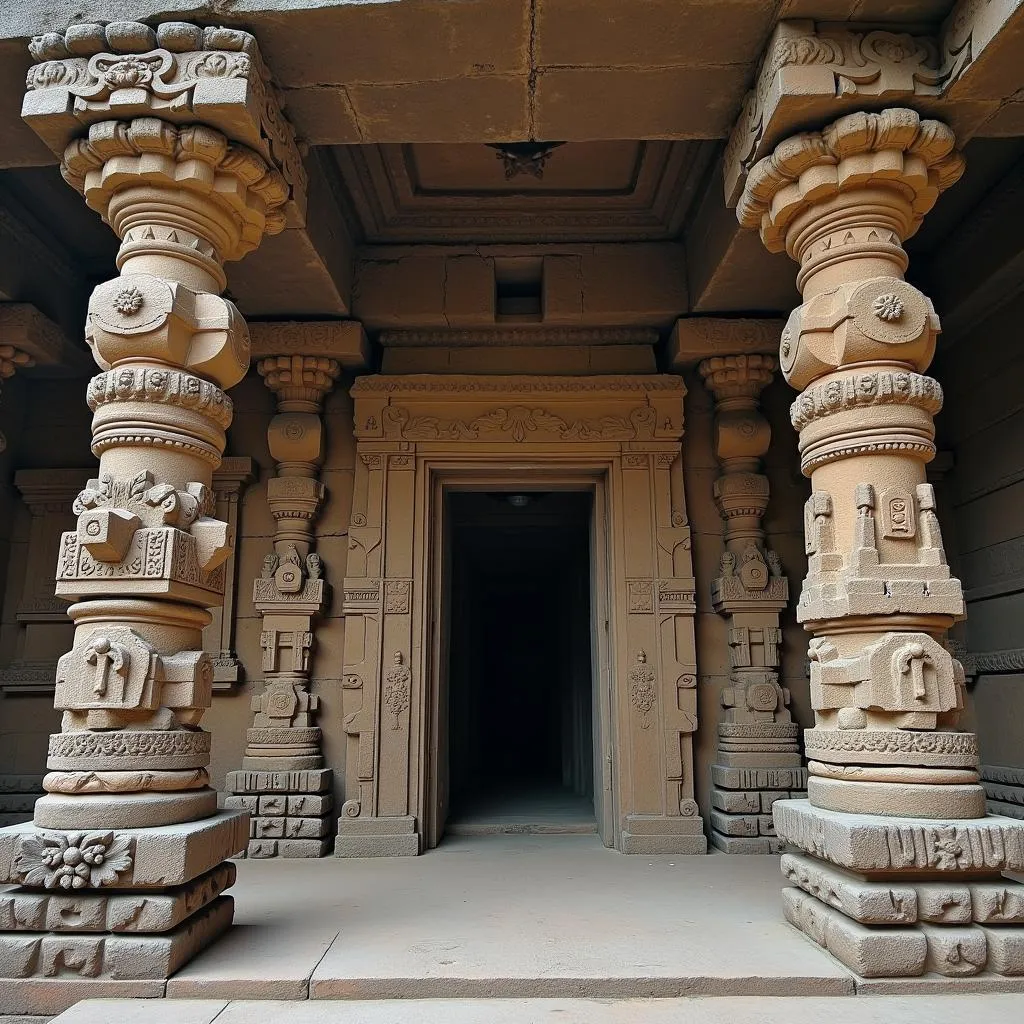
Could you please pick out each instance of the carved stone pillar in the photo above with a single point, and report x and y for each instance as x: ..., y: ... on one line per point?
x: 894, y: 832
x: 173, y: 137
x: 283, y: 782
x: 758, y: 760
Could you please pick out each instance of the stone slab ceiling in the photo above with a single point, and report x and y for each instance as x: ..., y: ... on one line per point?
x: 491, y: 70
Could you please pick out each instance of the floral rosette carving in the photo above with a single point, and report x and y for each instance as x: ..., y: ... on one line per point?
x: 73, y: 860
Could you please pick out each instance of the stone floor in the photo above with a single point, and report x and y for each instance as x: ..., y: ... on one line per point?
x: 540, y: 811
x: 513, y: 917
x: 992, y: 1009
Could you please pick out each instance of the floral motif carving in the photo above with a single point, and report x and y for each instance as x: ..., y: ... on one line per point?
x: 73, y: 860
x: 518, y: 422
x: 642, y: 688
x: 398, y: 688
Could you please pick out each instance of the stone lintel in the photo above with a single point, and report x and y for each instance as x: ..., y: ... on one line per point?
x: 178, y: 72
x: 540, y: 335
x: 696, y: 338
x: 52, y: 352
x: 344, y: 340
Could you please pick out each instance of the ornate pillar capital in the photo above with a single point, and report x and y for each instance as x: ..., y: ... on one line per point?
x: 855, y: 190
x: 300, y: 382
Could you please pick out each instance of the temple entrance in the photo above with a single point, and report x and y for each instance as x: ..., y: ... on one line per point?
x: 520, y: 675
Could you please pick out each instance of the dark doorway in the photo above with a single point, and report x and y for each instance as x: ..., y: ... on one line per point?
x: 520, y: 701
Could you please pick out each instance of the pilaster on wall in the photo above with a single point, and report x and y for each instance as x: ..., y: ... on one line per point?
x: 283, y: 782
x: 173, y: 136
x: 758, y: 759
x: 893, y: 787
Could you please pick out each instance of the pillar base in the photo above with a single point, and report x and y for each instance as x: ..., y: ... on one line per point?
x: 742, y: 800
x: 159, y: 903
x: 902, y: 897
x: 289, y: 811
x: 649, y: 835
x: 377, y: 837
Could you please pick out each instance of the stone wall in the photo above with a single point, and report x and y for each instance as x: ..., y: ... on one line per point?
x: 982, y: 426
x: 55, y: 435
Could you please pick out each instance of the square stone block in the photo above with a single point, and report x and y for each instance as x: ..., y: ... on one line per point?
x: 309, y: 805
x: 997, y: 902
x: 741, y: 844
x: 736, y: 801
x: 1005, y: 950
x: 956, y: 951
x: 260, y: 849
x: 875, y: 843
x: 249, y: 804
x: 266, y: 828
x: 162, y: 856
x: 377, y: 826
x: 388, y: 845
x: 656, y: 825
x: 310, y: 780
x: 649, y: 846
x: 735, y: 824
x: 867, y: 902
x: 869, y: 952
x: 303, y: 847
x: 276, y: 804
x: 32, y: 910
x: 119, y: 957
x: 306, y: 828
x: 728, y: 777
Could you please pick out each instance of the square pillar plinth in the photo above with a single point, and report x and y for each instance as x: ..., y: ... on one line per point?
x: 145, y: 902
x: 902, y: 897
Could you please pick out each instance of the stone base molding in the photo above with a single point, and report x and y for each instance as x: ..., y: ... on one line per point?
x: 893, y: 790
x: 173, y: 136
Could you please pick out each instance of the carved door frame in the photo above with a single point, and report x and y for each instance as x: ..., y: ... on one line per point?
x: 624, y: 430
x: 442, y: 476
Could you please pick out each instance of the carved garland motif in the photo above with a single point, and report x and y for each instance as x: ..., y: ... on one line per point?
x: 518, y: 422
x: 884, y: 387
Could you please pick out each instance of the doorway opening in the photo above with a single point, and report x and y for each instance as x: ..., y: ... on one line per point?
x: 521, y: 750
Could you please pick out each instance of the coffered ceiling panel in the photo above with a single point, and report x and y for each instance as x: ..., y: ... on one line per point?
x: 575, y: 191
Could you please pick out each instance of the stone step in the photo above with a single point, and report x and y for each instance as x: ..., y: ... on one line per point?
x: 917, y: 1009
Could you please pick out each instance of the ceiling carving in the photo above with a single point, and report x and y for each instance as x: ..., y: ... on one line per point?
x: 461, y: 192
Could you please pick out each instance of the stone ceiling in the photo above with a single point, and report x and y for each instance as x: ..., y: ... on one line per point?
x: 399, y: 104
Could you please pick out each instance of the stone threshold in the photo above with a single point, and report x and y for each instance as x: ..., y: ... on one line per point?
x: 923, y: 1009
